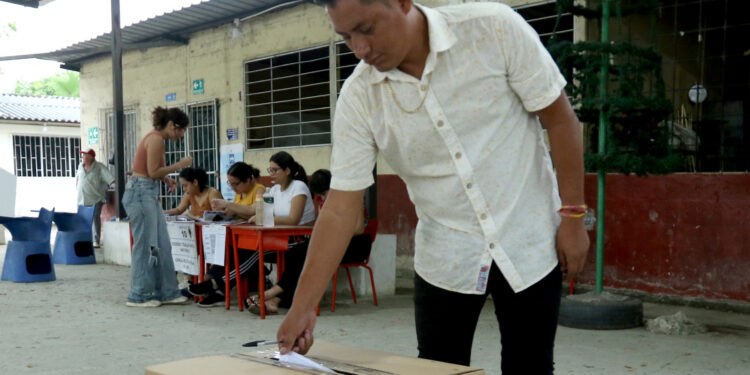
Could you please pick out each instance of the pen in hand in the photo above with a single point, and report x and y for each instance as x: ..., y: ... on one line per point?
x: 260, y: 343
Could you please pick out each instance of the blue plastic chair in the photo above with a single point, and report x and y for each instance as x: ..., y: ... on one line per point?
x: 73, y: 241
x: 28, y: 257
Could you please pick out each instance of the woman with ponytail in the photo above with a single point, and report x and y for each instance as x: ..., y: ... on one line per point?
x: 153, y: 281
x: 292, y: 202
x: 292, y: 205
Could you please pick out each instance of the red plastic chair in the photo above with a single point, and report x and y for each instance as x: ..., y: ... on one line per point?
x: 371, y: 229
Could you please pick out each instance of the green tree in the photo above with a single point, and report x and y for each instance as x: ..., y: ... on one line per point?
x: 61, y: 84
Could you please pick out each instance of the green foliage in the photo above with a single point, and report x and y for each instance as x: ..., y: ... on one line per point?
x: 61, y: 84
x: 7, y: 28
x: 635, y: 103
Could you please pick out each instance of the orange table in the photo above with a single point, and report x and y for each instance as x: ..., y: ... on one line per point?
x: 252, y: 237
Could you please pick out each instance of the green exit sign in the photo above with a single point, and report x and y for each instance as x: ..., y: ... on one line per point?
x: 93, y: 136
x: 198, y: 87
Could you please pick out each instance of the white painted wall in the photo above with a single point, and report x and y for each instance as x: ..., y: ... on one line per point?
x: 35, y: 192
x: 7, y: 198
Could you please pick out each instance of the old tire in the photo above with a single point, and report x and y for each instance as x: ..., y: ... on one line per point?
x: 600, y: 311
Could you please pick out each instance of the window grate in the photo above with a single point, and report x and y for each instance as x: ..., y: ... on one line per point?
x: 130, y: 144
x: 36, y: 156
x: 200, y: 142
x: 287, y: 101
x: 543, y: 16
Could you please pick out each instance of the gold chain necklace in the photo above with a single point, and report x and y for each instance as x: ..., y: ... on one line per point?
x: 398, y: 103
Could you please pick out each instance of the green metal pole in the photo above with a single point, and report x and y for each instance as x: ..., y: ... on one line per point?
x: 603, y: 123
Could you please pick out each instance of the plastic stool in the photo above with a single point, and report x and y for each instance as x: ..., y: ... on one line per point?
x: 28, y: 262
x: 73, y: 241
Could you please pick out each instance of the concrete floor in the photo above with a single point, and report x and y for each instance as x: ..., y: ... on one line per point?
x: 79, y: 324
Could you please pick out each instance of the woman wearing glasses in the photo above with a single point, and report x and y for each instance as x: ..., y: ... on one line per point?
x: 292, y: 205
x: 242, y: 178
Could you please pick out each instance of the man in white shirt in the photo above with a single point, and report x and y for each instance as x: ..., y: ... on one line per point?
x: 456, y: 100
x: 92, y: 180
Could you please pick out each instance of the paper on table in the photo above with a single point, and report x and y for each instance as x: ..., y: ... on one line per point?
x: 296, y: 359
x: 214, y: 237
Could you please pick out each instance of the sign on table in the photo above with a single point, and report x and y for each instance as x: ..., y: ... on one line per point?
x: 214, y: 237
x: 184, y: 251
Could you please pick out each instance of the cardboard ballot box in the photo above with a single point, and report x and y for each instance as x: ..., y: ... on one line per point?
x: 340, y: 358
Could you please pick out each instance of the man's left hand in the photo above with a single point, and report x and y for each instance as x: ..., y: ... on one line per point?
x: 572, y: 246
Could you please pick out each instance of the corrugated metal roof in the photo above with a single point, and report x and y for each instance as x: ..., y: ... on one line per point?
x: 40, y: 108
x: 171, y: 28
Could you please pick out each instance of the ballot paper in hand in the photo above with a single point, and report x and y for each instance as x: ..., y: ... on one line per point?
x: 299, y: 360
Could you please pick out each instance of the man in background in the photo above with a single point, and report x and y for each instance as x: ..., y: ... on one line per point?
x: 92, y: 180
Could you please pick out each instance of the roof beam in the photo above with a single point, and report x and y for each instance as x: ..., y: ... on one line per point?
x: 26, y: 3
x: 166, y: 41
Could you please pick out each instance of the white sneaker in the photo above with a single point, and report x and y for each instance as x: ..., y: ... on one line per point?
x: 151, y: 303
x: 181, y: 300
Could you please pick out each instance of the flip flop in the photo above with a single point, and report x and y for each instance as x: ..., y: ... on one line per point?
x: 255, y: 309
x: 251, y: 301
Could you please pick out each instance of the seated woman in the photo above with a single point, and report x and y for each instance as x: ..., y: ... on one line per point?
x: 292, y: 205
x: 197, y: 195
x: 359, y: 249
x: 242, y: 178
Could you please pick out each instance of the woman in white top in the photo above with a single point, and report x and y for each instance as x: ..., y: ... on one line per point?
x: 292, y: 201
x: 292, y: 205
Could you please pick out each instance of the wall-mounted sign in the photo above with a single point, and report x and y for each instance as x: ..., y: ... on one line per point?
x: 94, y: 136
x: 697, y: 94
x: 171, y: 97
x: 198, y: 87
x: 233, y: 134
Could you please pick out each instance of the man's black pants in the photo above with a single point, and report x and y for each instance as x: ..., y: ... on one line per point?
x: 446, y: 322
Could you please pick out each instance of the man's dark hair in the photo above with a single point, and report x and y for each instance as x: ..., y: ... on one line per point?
x: 320, y: 182
x: 332, y: 3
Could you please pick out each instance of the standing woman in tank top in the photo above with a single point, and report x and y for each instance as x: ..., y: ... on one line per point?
x: 153, y: 281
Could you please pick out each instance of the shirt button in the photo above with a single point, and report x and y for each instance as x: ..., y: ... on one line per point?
x: 483, y: 216
x: 492, y: 246
x: 440, y: 124
x: 469, y: 185
x: 458, y: 155
x: 423, y: 87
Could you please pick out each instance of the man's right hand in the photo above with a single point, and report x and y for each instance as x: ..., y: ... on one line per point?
x: 296, y: 331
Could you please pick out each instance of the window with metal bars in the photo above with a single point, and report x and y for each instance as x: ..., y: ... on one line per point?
x: 200, y: 142
x: 542, y: 16
x: 345, y: 64
x: 705, y: 55
x: 36, y: 156
x: 131, y: 140
x: 288, y: 99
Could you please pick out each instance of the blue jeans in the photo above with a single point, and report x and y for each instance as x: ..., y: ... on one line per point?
x: 446, y: 322
x: 152, y: 269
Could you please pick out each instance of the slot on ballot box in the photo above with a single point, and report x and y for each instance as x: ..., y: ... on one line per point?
x: 341, y: 359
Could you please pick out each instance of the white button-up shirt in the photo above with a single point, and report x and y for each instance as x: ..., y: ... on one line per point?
x: 92, y: 185
x: 472, y: 155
